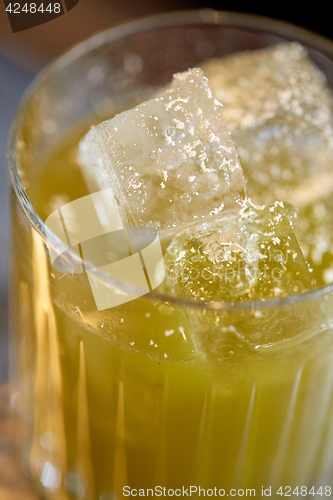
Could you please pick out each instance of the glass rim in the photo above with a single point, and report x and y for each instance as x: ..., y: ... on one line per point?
x: 152, y: 22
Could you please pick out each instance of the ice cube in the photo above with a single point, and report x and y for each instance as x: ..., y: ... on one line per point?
x: 278, y: 107
x: 170, y: 160
x: 234, y: 257
x: 253, y: 257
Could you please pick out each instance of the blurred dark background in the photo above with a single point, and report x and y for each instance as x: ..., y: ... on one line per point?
x: 24, y: 53
x: 34, y: 47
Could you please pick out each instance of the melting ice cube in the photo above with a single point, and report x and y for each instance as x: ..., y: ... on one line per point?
x: 170, y: 160
x: 231, y: 257
x: 253, y: 257
x: 278, y: 107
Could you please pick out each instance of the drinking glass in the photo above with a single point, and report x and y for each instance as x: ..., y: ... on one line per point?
x: 156, y: 391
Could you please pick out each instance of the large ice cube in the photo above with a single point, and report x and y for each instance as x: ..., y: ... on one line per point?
x: 231, y: 257
x: 169, y: 160
x: 278, y: 108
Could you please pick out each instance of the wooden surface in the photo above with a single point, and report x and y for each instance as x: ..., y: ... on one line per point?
x: 13, y: 484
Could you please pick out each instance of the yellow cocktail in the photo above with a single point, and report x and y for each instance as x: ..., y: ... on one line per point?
x: 163, y: 391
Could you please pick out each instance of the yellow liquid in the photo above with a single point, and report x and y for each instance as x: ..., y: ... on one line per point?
x: 112, y: 399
